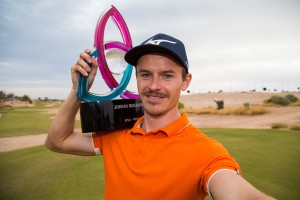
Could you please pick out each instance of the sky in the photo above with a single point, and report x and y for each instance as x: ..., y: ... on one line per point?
x: 232, y: 45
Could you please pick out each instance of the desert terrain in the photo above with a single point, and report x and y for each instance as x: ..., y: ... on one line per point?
x: 275, y: 114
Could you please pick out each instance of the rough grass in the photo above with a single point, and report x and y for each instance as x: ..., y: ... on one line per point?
x: 269, y: 159
x: 279, y: 126
x: 291, y: 126
x: 239, y: 110
x: 295, y: 127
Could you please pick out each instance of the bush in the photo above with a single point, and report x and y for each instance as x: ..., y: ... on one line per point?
x: 220, y: 104
x: 291, y: 98
x: 278, y: 126
x: 180, y: 105
x: 267, y: 101
x: 280, y: 100
x: 250, y: 111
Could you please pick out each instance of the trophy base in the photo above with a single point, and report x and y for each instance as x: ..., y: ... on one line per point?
x: 110, y: 115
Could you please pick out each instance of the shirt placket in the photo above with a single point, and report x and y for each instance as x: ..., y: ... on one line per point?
x: 140, y: 150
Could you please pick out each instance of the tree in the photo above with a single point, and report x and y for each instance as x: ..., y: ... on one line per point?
x: 18, y: 98
x: 2, y: 96
x: 10, y: 96
x: 220, y: 104
x: 26, y: 98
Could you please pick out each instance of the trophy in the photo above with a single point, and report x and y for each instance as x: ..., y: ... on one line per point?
x: 119, y: 108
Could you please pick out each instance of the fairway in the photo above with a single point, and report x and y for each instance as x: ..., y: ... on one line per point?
x: 269, y: 160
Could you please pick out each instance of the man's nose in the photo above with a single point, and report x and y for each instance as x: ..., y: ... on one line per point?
x: 155, y: 83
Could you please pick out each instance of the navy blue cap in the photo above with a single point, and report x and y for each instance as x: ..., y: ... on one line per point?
x: 160, y: 43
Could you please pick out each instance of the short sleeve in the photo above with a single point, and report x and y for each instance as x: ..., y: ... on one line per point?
x: 97, y: 143
x: 217, y: 159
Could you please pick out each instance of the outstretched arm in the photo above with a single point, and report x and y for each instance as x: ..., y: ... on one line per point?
x: 61, y: 136
x: 226, y: 184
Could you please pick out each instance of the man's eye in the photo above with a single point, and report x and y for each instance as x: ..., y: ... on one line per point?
x: 145, y: 75
x: 167, y: 76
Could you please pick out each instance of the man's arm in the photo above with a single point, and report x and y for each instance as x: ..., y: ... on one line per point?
x: 226, y: 184
x: 61, y: 136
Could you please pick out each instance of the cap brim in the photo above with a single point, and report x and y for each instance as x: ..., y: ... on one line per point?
x: 135, y: 53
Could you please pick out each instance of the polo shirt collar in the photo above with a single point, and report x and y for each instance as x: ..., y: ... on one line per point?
x: 171, y: 129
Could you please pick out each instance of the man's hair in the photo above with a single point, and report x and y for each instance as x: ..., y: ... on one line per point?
x: 184, y: 73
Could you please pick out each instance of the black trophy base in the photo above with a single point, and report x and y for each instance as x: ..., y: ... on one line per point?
x: 110, y: 115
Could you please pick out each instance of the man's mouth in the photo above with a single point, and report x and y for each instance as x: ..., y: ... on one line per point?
x: 155, y: 96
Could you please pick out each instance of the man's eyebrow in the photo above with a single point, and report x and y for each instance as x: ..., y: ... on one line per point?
x: 168, y: 71
x: 163, y: 72
x: 143, y: 70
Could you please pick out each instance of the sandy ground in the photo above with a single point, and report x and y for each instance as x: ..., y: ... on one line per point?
x: 286, y: 115
x: 20, y: 142
x: 230, y: 98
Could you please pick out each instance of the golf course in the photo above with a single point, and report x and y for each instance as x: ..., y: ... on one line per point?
x: 269, y: 159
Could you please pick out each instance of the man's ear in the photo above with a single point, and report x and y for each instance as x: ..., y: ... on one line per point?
x: 186, y: 82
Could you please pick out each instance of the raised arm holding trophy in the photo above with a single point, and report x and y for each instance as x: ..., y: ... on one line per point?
x: 152, y: 151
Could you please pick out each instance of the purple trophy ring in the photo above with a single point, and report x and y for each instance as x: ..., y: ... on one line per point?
x: 113, y: 48
x: 104, y: 112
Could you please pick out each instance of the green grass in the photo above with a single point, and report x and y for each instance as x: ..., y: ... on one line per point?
x: 269, y: 160
x: 24, y: 121
x: 37, y: 173
x: 27, y: 120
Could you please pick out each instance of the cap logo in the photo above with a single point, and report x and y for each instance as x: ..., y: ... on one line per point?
x: 157, y: 42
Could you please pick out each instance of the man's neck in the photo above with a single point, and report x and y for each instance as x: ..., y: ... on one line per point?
x: 155, y: 122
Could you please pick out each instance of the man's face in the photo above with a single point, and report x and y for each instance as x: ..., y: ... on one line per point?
x: 159, y: 82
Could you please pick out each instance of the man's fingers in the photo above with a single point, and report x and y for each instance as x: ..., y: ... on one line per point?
x: 88, y: 51
x: 86, y: 56
x: 82, y: 67
x: 94, y: 66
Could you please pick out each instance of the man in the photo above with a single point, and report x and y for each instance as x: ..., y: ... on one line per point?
x: 162, y: 156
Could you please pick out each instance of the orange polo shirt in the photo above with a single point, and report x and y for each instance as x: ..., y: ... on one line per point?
x: 174, y: 162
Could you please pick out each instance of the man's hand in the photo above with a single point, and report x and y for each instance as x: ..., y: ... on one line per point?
x: 82, y: 67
